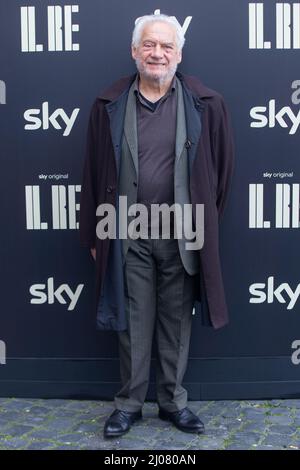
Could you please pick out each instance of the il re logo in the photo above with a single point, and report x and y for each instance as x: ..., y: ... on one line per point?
x: 287, y: 29
x: 42, y: 293
x: 60, y: 29
x: 286, y: 206
x: 36, y: 122
x: 64, y: 207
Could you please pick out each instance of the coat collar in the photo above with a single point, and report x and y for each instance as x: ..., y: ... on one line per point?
x: 194, y: 85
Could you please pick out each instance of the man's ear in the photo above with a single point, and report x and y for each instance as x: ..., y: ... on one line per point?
x: 179, y: 56
x: 133, y: 52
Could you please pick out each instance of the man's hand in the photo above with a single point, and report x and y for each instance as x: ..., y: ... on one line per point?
x: 93, y: 253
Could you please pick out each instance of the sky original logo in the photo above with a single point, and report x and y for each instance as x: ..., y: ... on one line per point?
x: 272, y: 114
x: 286, y: 26
x: 2, y: 92
x: 60, y: 29
x: 63, y: 204
x: 270, y: 293
x: 45, y: 293
x: 41, y: 118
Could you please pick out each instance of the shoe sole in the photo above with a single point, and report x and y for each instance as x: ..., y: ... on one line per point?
x: 118, y: 434
x: 191, y: 431
x: 110, y: 435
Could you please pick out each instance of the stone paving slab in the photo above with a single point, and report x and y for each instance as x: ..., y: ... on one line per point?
x: 42, y: 424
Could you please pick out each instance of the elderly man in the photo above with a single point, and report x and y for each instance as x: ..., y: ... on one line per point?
x: 156, y: 137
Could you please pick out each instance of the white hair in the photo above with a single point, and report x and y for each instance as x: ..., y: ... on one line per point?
x: 143, y: 20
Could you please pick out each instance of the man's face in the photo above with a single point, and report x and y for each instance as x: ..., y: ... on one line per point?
x: 157, y: 55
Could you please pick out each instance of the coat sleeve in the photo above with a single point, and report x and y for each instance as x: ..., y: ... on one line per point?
x: 223, y: 155
x: 88, y: 198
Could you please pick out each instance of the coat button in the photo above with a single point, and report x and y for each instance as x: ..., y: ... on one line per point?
x: 188, y: 144
x: 198, y: 105
x: 135, y: 183
x: 109, y: 189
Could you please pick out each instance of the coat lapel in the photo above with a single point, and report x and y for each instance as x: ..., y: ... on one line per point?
x: 116, y: 111
x: 180, y: 124
x: 130, y: 127
x: 194, y: 107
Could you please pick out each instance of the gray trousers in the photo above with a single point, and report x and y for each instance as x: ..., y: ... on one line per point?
x: 159, y: 297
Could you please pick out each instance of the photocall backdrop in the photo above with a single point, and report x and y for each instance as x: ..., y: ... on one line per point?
x: 55, y: 57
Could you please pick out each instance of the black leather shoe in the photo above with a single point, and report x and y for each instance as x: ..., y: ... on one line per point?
x: 185, y: 420
x: 119, y: 422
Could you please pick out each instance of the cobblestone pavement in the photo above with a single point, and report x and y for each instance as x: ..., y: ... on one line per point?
x: 78, y: 424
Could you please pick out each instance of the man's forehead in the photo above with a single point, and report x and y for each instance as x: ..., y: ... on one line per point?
x: 160, y: 31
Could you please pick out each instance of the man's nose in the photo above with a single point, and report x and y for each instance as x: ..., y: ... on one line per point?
x: 157, y: 51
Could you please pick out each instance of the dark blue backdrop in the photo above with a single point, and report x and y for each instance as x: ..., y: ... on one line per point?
x: 52, y: 346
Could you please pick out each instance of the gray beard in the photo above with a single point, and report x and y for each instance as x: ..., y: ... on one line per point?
x: 155, y: 78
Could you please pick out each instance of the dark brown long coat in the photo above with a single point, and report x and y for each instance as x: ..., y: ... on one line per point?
x: 211, y: 155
